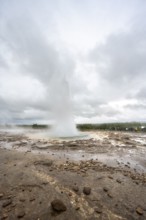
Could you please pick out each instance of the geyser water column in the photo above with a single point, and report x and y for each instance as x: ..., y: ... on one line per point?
x: 64, y: 125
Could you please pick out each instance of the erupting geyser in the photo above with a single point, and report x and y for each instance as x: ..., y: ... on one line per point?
x: 64, y: 125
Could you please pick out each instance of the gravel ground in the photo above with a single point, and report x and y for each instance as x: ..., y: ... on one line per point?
x: 99, y: 177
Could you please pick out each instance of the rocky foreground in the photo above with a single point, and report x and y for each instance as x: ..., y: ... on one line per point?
x: 89, y: 179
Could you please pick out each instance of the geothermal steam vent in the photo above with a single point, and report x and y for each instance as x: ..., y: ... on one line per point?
x: 64, y: 125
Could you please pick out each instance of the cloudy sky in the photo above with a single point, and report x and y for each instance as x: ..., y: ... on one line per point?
x: 91, y: 51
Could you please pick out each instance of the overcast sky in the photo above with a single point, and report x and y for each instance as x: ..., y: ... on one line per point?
x: 99, y: 46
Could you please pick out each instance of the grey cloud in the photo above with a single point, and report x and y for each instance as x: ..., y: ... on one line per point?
x: 142, y: 94
x: 118, y: 65
x: 120, y: 62
x: 29, y: 49
x: 136, y: 106
x: 2, y: 62
x: 122, y: 58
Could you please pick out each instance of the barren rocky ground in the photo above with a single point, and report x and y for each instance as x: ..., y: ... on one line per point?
x: 99, y: 177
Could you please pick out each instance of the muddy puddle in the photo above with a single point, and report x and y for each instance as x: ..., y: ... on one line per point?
x: 114, y: 149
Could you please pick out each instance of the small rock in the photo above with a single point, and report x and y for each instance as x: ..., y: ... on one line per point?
x: 58, y: 205
x: 75, y: 188
x: 87, y: 190
x: 110, y: 195
x: 7, y: 202
x: 77, y: 207
x: 137, y: 182
x: 44, y: 183
x: 118, y: 181
x: 24, y: 142
x: 139, y: 210
x: 45, y: 163
x: 20, y: 213
x: 70, y: 194
x: 98, y: 210
x: 105, y: 189
x: 1, y: 195
x: 22, y: 199
x: 32, y: 199
x: 76, y: 168
x: 110, y: 177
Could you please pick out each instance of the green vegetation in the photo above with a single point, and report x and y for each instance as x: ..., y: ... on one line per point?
x: 35, y: 126
x: 127, y: 126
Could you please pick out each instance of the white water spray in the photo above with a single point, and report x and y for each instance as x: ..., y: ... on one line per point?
x: 61, y: 105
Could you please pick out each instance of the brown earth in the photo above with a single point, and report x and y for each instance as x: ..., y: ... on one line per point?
x: 102, y: 177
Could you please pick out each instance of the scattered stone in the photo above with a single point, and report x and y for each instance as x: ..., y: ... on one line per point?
x: 105, y: 189
x: 7, y: 202
x: 118, y: 181
x: 139, y: 210
x: 22, y: 199
x: 136, y: 182
x: 75, y: 188
x: 44, y: 183
x: 70, y: 194
x: 87, y: 190
x: 110, y: 177
x: 110, y: 195
x: 23, y: 142
x: 99, y: 177
x: 20, y: 212
x: 77, y: 207
x: 45, y: 163
x: 31, y: 199
x: 98, y: 210
x: 1, y: 195
x: 58, y: 205
x: 76, y: 168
